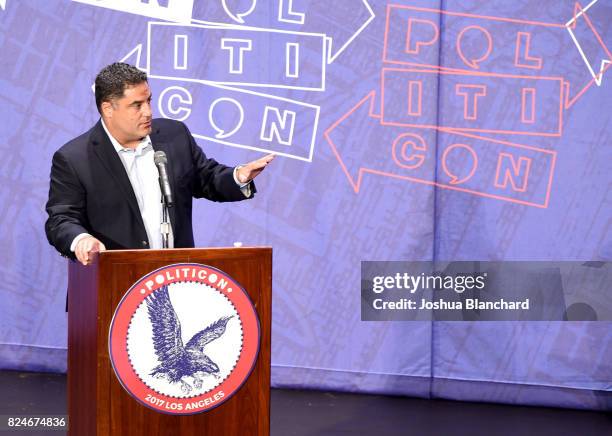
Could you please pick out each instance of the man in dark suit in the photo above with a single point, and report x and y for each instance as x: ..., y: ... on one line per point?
x: 104, y: 191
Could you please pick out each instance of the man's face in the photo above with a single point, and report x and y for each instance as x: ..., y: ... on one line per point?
x: 129, y: 118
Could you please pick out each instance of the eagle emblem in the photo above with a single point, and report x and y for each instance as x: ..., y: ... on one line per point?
x: 179, y: 362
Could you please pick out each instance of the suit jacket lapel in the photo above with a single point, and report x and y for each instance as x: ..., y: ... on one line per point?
x: 110, y: 159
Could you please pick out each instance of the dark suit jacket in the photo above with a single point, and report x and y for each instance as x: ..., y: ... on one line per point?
x: 90, y: 191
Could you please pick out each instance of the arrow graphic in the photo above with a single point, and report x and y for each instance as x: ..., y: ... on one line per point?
x: 134, y: 57
x: 358, y: 137
x: 580, y: 18
x: 340, y: 36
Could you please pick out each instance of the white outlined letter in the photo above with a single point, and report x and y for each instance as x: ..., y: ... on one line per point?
x: 221, y: 133
x: 180, y: 52
x: 239, y: 18
x: 177, y: 111
x: 236, y: 57
x: 286, y: 13
x: 292, y: 59
x: 284, y: 123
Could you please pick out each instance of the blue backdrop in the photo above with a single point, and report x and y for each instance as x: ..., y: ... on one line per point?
x: 405, y: 131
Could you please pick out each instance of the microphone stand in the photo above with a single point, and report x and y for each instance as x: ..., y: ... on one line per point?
x: 160, y: 160
x: 165, y: 224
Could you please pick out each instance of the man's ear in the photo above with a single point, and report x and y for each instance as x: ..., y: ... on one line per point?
x: 107, y: 109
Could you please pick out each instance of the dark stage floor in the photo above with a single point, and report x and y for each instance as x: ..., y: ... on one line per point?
x: 297, y: 413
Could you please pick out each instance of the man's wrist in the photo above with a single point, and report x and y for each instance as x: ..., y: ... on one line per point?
x: 76, y: 240
x: 238, y: 182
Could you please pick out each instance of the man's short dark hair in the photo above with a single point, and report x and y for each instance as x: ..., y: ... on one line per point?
x: 113, y: 79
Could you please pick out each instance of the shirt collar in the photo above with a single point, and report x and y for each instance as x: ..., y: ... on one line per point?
x: 146, y: 141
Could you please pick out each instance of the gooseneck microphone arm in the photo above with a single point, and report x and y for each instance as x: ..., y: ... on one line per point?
x: 161, y: 160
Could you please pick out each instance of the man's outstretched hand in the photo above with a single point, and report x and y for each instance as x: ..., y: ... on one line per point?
x: 85, y: 249
x: 248, y: 172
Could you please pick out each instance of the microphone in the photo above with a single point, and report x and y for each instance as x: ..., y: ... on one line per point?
x: 161, y: 160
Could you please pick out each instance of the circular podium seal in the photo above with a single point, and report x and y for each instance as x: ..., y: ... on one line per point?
x: 184, y: 339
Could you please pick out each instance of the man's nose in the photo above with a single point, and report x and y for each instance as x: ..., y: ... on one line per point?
x: 147, y: 110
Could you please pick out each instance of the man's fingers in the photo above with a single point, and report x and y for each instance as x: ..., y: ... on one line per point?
x: 96, y: 246
x: 265, y: 160
x: 261, y: 163
x: 81, y: 253
x: 85, y: 249
x: 268, y: 158
x: 80, y: 258
x: 252, y: 169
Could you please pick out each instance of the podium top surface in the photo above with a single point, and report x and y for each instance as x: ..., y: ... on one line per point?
x: 181, y: 254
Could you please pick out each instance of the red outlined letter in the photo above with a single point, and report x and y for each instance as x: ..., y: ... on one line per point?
x: 415, y: 97
x: 408, y: 142
x: 454, y: 180
x: 470, y: 95
x: 517, y: 169
x: 528, y: 98
x: 415, y: 32
x: 473, y: 63
x: 521, y: 52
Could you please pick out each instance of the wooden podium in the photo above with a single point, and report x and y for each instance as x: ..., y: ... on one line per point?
x: 97, y: 403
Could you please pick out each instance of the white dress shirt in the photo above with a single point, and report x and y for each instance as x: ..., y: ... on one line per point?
x: 144, y: 177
